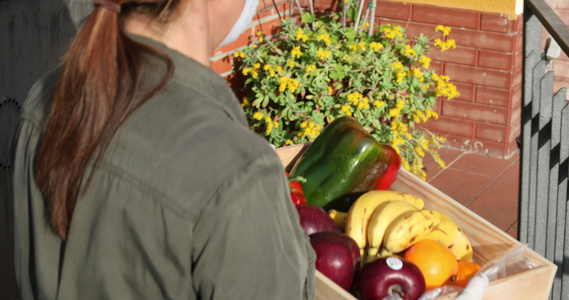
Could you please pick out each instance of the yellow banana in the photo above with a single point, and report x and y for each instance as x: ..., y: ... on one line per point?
x: 339, y: 218
x: 409, y: 228
x: 360, y: 212
x: 461, y: 247
x: 446, y: 232
x: 380, y: 220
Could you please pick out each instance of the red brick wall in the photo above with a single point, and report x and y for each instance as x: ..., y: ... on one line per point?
x: 561, y: 64
x: 486, y: 67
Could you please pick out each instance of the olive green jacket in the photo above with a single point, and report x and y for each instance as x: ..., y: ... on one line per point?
x: 187, y: 203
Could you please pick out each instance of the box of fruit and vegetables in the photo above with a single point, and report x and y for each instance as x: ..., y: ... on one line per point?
x: 381, y: 232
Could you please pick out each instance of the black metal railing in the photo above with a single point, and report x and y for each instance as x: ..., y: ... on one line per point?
x: 543, y: 222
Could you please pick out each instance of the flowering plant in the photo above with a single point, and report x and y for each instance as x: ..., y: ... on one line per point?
x: 318, y: 69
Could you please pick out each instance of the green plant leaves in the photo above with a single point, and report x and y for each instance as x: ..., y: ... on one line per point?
x: 300, y: 80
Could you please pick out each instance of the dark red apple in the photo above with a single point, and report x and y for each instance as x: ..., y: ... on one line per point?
x: 337, y: 256
x: 314, y: 219
x: 388, y: 276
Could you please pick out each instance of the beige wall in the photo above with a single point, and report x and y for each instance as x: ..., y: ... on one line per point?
x: 511, y: 8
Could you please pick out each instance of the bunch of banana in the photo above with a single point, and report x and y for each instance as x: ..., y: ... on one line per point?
x: 388, y: 222
x: 413, y: 226
x: 360, y: 213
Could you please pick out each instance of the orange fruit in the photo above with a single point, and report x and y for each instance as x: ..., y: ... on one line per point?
x: 437, y: 263
x: 466, y: 270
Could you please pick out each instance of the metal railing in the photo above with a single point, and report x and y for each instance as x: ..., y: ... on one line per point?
x: 543, y: 222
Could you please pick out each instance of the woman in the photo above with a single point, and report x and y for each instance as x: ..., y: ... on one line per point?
x: 136, y: 174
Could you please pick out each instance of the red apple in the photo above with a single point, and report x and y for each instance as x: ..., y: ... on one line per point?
x: 388, y: 276
x: 337, y: 257
x: 314, y: 219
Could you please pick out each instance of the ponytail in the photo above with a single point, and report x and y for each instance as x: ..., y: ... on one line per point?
x: 94, y: 95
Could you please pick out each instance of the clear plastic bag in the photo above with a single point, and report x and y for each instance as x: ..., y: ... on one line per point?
x: 513, y: 262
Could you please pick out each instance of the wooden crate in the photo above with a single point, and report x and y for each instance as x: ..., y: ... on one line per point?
x: 488, y: 242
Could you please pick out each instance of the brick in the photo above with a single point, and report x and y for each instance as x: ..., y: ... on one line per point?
x: 467, y: 91
x: 477, y: 75
x: 515, y: 126
x: 393, y: 10
x: 493, y: 96
x: 236, y: 80
x: 241, y: 41
x: 517, y: 77
x: 511, y: 148
x: 460, y: 55
x: 320, y: 4
x: 413, y: 29
x: 447, y: 125
x: 476, y: 112
x: 269, y: 27
x: 476, y: 145
x: 484, y: 39
x: 518, y: 60
x: 496, y: 59
x: 269, y: 9
x: 222, y: 65
x: 446, y: 16
x: 491, y: 132
x: 437, y: 66
x: 498, y: 23
x: 519, y: 42
x: 517, y: 98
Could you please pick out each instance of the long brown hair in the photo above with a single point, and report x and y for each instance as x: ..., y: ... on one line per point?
x: 94, y: 95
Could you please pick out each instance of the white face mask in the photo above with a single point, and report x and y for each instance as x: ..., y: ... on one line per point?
x: 247, y: 14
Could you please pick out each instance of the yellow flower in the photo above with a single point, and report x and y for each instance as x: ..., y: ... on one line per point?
x: 288, y: 142
x: 417, y: 73
x: 257, y: 65
x: 326, y: 38
x: 375, y: 46
x: 378, y: 104
x: 347, y: 109
x: 439, y: 43
x: 238, y: 54
x: 425, y: 61
x: 400, y: 76
x: 409, y: 52
x: 300, y: 35
x: 295, y: 52
x: 309, y: 129
x: 291, y: 63
x: 444, y: 29
x: 245, y: 102
x: 393, y: 31
x: 330, y: 90
x: 293, y: 85
x: 258, y: 116
x: 397, y: 65
x: 283, y: 82
x: 259, y: 33
x: 323, y: 54
x: 310, y: 68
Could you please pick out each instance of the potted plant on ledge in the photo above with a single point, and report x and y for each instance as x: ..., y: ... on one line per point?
x: 320, y: 68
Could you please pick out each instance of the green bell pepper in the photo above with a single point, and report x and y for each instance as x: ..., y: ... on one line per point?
x: 344, y: 159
